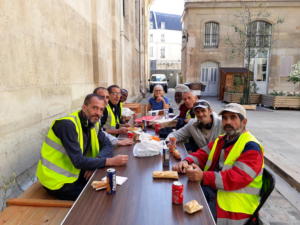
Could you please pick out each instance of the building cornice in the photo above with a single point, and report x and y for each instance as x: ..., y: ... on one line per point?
x: 191, y: 4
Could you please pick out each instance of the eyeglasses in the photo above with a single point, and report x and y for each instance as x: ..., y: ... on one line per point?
x: 115, y: 93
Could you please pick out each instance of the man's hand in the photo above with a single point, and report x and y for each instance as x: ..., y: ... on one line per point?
x: 122, y: 130
x: 194, y: 173
x: 186, y: 120
x: 118, y: 160
x: 124, y: 142
x: 181, y: 166
x: 88, y: 174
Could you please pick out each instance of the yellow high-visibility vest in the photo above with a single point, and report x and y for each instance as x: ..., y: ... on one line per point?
x: 112, y: 120
x: 55, y: 167
x: 244, y: 200
x: 188, y: 114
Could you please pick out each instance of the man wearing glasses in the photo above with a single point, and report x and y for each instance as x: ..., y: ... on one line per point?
x: 204, y: 128
x: 111, y: 120
x: 102, y: 92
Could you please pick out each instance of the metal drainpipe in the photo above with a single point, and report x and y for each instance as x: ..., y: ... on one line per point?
x: 139, y: 55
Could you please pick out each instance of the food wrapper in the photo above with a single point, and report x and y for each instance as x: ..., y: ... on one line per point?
x: 192, y: 207
x: 96, y: 184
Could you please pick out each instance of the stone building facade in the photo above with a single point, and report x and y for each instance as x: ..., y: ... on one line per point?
x: 54, y: 53
x: 208, y: 23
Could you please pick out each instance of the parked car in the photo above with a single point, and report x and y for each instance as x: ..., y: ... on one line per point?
x: 158, y: 78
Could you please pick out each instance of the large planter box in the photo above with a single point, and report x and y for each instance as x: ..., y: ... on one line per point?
x: 236, y: 97
x: 281, y: 101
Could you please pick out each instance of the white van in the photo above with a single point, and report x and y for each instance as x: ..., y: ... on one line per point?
x: 158, y: 78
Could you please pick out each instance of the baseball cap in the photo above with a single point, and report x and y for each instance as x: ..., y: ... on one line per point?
x: 182, y: 88
x: 201, y: 104
x: 235, y: 108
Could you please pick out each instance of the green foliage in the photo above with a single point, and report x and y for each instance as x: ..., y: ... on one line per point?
x: 282, y: 93
x: 242, y: 43
x: 294, y: 75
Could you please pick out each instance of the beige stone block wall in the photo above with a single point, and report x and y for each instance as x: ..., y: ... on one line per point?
x: 285, y: 47
x: 46, y: 70
x: 53, y: 53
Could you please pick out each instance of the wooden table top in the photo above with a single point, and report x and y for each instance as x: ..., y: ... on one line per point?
x: 141, y: 200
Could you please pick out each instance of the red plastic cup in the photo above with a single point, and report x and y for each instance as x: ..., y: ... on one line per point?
x: 157, y: 128
x: 130, y: 135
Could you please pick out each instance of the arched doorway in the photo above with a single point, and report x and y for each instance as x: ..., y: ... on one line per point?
x: 209, y: 75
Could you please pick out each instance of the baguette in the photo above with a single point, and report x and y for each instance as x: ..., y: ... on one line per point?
x: 165, y: 174
x: 99, y: 184
x: 176, y: 154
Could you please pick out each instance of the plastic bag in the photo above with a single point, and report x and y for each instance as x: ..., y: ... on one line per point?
x: 127, y: 112
x: 147, y: 148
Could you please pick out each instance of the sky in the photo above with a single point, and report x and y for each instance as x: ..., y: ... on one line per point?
x: 168, y: 6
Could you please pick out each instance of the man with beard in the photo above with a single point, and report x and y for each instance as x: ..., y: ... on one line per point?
x: 111, y: 120
x: 179, y: 90
x: 103, y: 92
x: 229, y: 169
x: 198, y: 132
x: 74, y: 147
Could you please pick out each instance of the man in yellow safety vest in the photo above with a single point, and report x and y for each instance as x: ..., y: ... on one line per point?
x: 111, y: 120
x: 229, y: 169
x: 73, y: 148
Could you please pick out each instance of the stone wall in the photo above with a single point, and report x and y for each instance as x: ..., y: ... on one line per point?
x: 53, y: 53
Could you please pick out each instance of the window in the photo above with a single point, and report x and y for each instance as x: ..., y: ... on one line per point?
x: 211, y: 35
x: 151, y: 52
x: 259, y: 63
x: 162, y: 25
x: 162, y: 52
x: 151, y: 25
x: 259, y: 34
x: 259, y: 40
x: 162, y: 37
x: 151, y: 38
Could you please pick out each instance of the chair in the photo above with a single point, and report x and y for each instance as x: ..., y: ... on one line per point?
x: 268, y: 185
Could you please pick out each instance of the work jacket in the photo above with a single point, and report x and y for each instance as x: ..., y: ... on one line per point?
x: 238, y: 181
x: 55, y: 167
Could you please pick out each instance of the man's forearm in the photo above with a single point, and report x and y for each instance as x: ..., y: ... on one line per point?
x: 112, y: 131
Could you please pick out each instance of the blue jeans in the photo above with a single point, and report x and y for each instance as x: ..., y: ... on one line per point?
x: 211, y: 198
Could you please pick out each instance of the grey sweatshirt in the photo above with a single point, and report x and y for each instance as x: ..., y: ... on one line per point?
x: 191, y: 130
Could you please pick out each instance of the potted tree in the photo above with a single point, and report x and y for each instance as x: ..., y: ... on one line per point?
x: 247, y: 44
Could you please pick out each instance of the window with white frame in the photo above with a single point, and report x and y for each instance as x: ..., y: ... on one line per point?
x: 162, y: 52
x: 162, y: 37
x: 162, y: 25
x: 259, y: 35
x: 211, y: 39
x: 151, y: 25
x: 151, y: 38
x: 151, y: 52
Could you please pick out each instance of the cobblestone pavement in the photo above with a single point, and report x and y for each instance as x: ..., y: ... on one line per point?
x: 283, y: 206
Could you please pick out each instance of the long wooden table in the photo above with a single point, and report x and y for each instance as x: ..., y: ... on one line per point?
x: 141, y: 200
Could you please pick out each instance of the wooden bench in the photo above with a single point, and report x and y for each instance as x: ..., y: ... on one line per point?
x: 32, y: 215
x: 36, y: 195
x: 35, y: 206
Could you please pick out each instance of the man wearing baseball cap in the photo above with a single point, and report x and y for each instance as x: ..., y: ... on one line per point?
x: 229, y: 169
x: 202, y: 129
